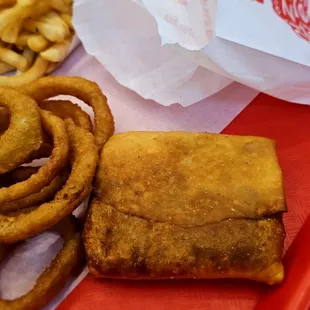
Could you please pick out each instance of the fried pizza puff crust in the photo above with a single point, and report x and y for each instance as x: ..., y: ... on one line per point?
x: 55, y: 276
x: 119, y: 245
x: 187, y: 205
x: 24, y: 134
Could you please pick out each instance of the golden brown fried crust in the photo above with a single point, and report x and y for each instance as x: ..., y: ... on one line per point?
x: 120, y: 245
x: 66, y: 109
x: 24, y: 134
x: 84, y: 159
x: 57, y: 273
x: 58, y: 160
x: 17, y: 175
x: 190, y: 178
x: 85, y: 90
x: 186, y: 205
x: 44, y: 195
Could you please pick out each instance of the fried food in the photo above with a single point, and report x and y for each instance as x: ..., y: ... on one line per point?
x: 85, y: 90
x: 55, y: 276
x: 24, y: 134
x: 66, y: 109
x: 36, y: 71
x: 57, y: 52
x: 54, y: 127
x: 45, y: 195
x: 44, y: 27
x: 209, y: 204
x: 4, y: 119
x: 5, y: 68
x: 30, y: 56
x: 67, y: 18
x: 84, y: 155
x: 38, y: 43
x: 44, y: 151
x: 17, y: 175
x: 62, y: 6
x: 13, y: 59
x: 35, y: 199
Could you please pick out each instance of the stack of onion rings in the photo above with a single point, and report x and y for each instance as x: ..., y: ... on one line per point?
x: 36, y: 199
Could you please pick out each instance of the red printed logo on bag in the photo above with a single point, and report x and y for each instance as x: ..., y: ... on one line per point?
x: 295, y: 13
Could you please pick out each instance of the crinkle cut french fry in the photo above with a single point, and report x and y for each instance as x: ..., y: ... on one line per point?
x: 22, y: 40
x: 5, y: 68
x: 51, y: 67
x: 34, y: 27
x: 55, y: 19
x: 30, y: 25
x: 61, y: 6
x: 11, y: 32
x: 67, y: 19
x: 57, y: 52
x: 14, y: 59
x: 35, y: 72
x: 51, y: 18
x: 53, y: 32
x: 30, y: 56
x: 38, y: 43
x: 19, y: 12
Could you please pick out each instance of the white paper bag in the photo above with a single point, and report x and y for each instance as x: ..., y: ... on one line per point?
x: 123, y: 36
x: 181, y: 51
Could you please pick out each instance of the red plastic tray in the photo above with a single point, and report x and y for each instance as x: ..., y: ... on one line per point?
x: 289, y: 124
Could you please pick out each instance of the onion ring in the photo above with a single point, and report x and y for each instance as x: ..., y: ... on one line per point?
x: 46, y: 194
x: 17, y: 175
x: 46, y: 147
x: 85, y: 90
x: 55, y: 276
x: 44, y: 151
x: 67, y: 109
x: 24, y: 134
x: 55, y: 127
x: 84, y: 154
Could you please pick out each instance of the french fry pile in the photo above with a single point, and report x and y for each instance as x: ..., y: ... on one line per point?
x: 35, y: 36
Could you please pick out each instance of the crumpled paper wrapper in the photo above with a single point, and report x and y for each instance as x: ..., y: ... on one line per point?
x: 124, y: 38
x: 182, y: 51
x: 191, y: 24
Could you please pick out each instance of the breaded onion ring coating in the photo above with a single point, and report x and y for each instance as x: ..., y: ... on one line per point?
x: 85, y: 90
x: 17, y: 175
x: 56, y: 128
x: 84, y: 159
x: 66, y: 109
x: 24, y: 134
x: 46, y: 194
x: 55, y: 276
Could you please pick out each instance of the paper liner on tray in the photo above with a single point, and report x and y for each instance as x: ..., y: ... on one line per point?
x: 269, y: 117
